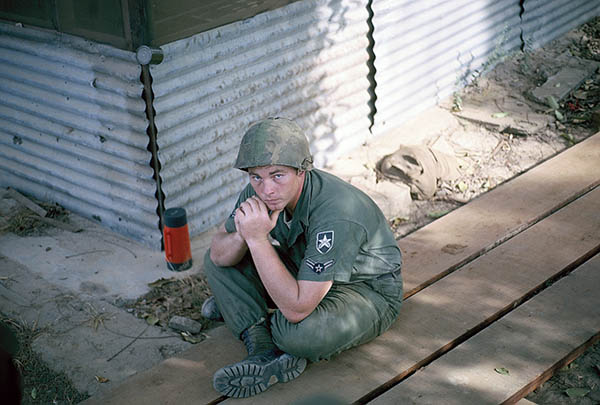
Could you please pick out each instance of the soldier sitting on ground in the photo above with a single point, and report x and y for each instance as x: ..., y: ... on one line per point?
x: 305, y: 267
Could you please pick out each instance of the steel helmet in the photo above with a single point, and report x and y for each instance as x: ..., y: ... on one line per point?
x: 274, y: 141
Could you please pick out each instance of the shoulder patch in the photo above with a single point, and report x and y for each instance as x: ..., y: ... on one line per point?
x: 318, y: 267
x: 325, y: 241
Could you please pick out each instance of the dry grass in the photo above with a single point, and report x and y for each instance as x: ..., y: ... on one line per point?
x: 41, y: 384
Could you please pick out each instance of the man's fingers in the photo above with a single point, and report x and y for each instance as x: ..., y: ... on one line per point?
x: 257, y: 203
x: 254, y: 204
x: 248, y: 205
x: 262, y: 206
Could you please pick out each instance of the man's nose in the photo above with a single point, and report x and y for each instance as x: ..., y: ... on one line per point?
x: 269, y: 187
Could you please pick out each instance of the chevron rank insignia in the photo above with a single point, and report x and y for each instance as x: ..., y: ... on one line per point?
x: 324, y: 241
x: 318, y: 267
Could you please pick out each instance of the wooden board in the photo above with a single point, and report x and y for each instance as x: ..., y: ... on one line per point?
x: 504, y: 211
x: 183, y: 379
x: 526, y: 342
x: 434, y: 320
x: 498, y: 215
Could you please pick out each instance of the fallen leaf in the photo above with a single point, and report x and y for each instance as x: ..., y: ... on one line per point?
x: 581, y: 95
x: 551, y: 101
x: 398, y: 220
x: 160, y: 282
x: 101, y: 379
x: 500, y: 115
x: 462, y: 186
x: 191, y: 339
x: 568, y: 137
x: 558, y: 115
x: 501, y: 370
x: 152, y: 320
x: 577, y: 392
x: 34, y: 393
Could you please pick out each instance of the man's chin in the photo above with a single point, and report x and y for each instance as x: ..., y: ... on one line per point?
x: 275, y: 206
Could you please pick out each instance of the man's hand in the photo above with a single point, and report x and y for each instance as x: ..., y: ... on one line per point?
x: 295, y: 299
x: 253, y: 221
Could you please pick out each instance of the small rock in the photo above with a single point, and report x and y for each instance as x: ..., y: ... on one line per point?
x: 184, y: 324
x: 121, y: 302
x: 168, y: 351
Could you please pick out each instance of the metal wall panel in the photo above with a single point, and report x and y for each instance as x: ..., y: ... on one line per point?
x: 545, y: 20
x: 424, y: 50
x: 73, y: 129
x: 306, y: 61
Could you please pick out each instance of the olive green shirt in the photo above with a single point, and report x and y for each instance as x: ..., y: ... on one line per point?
x: 337, y: 233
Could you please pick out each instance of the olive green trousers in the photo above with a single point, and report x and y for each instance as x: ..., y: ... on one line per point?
x: 350, y: 314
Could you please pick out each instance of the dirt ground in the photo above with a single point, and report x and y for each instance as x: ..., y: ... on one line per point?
x: 514, y: 133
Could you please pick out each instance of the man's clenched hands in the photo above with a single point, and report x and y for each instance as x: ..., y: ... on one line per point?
x: 252, y: 220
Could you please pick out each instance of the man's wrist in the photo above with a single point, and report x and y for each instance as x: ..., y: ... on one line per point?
x: 254, y: 242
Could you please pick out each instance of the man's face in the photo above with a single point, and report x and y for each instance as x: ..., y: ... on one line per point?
x: 278, y: 187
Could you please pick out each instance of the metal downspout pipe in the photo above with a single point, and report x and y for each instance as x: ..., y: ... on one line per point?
x: 146, y: 56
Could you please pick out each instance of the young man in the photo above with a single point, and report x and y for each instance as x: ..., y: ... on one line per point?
x: 305, y: 267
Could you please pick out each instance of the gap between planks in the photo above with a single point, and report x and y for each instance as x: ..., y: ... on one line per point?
x: 509, y: 235
x: 541, y: 189
x: 498, y: 215
x: 546, y: 375
x: 527, y: 343
x: 473, y: 331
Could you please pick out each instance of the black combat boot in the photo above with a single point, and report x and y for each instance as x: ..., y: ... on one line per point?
x: 264, y: 366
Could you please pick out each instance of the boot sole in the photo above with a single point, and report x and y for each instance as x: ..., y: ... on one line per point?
x: 246, y: 378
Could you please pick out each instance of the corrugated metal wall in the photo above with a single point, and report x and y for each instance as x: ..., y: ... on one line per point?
x: 73, y: 124
x: 545, y: 20
x: 306, y: 61
x: 426, y: 49
x: 73, y: 129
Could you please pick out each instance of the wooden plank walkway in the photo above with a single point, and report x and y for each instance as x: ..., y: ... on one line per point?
x: 526, y: 342
x: 468, y: 275
x: 498, y: 215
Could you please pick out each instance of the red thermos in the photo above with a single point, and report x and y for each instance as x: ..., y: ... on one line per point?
x: 177, y: 240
